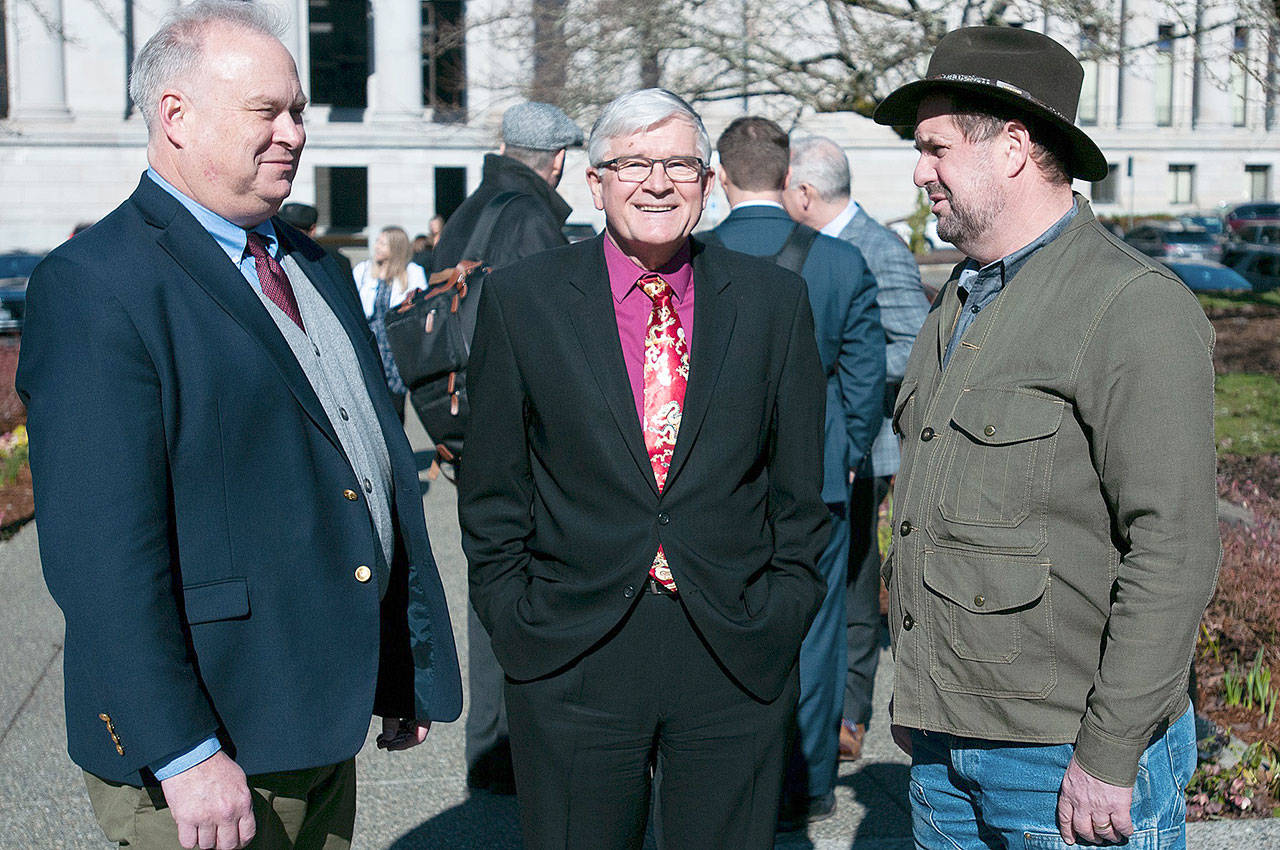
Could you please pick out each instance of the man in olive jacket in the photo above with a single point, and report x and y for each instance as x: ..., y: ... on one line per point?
x: 1055, y: 537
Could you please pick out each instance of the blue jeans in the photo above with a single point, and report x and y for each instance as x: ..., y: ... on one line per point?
x: 975, y: 794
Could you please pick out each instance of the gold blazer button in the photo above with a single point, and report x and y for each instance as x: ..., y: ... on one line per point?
x: 363, y: 573
x: 351, y: 495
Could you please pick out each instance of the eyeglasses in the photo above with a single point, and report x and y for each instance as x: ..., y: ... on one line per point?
x: 636, y: 169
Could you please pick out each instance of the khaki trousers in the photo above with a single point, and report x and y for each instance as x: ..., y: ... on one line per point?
x: 312, y: 809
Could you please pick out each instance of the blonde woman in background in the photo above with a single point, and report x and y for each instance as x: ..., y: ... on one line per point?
x: 384, y: 282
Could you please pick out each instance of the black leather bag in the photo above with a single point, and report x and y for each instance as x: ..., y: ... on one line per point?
x: 430, y: 335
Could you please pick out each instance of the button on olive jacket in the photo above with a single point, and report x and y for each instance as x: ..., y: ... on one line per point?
x: 1055, y: 532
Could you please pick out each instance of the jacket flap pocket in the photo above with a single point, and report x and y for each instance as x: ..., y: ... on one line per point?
x: 999, y: 417
x: 217, y: 600
x: 985, y: 584
x: 904, y: 395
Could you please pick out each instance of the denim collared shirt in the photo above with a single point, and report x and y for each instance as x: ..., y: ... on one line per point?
x: 978, y: 287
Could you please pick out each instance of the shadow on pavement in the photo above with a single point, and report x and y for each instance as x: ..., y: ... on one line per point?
x: 483, y: 821
x: 882, y: 788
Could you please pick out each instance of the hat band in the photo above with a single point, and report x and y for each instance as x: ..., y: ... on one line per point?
x: 1001, y: 84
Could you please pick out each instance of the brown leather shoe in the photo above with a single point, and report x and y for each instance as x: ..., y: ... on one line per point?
x: 851, y: 735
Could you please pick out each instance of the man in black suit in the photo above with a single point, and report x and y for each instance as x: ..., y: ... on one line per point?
x: 641, y: 506
x: 230, y: 516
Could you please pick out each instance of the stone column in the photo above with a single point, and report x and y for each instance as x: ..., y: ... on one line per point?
x: 1138, y: 98
x: 1217, y: 48
x: 39, y: 71
x: 396, y: 83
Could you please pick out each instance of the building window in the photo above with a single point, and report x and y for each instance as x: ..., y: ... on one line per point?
x: 451, y: 189
x: 339, y: 44
x: 1105, y: 190
x: 1240, y: 77
x: 444, y: 60
x: 1164, y: 76
x: 1259, y: 179
x: 342, y: 199
x: 1088, y: 111
x: 1182, y: 180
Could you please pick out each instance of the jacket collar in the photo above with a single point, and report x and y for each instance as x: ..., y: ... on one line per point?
x: 191, y: 247
x: 511, y: 175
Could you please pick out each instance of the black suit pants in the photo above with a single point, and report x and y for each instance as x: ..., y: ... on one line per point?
x: 586, y: 741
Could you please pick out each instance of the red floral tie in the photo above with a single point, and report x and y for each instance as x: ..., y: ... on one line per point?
x: 666, y: 372
x: 271, y: 277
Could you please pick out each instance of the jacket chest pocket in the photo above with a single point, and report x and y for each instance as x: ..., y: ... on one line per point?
x: 997, y: 469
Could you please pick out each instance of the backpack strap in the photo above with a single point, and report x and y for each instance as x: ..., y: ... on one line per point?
x: 796, y: 249
x: 485, y: 224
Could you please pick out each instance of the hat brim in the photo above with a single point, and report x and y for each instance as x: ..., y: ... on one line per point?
x: 900, y: 107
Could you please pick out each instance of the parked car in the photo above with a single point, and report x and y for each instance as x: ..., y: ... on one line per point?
x: 1168, y: 240
x: 576, y: 232
x: 1208, y: 219
x: 1256, y: 212
x: 1204, y: 276
x: 1258, y: 264
x: 15, y: 268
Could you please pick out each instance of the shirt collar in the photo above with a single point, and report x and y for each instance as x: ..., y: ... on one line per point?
x: 741, y: 205
x: 1006, y: 267
x: 231, y: 238
x: 841, y: 221
x: 624, y: 273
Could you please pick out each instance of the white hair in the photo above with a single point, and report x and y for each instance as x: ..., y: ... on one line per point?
x: 639, y: 110
x: 175, y: 51
x: 822, y: 164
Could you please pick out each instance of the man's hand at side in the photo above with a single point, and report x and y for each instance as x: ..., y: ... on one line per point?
x: 400, y: 734
x: 211, y: 804
x: 1091, y: 810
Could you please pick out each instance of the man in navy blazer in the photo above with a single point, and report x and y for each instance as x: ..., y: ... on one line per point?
x: 819, y: 195
x: 754, y: 171
x: 229, y: 510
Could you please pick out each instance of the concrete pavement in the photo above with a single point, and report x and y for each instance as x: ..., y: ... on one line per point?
x: 414, y: 800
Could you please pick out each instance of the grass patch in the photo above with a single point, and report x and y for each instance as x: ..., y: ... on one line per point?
x: 1246, y: 413
x: 1231, y: 301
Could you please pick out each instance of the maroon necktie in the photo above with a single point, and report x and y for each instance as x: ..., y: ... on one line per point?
x: 272, y: 279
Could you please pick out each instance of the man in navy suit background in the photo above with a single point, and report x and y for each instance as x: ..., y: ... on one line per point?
x: 819, y: 196
x: 754, y: 169
x: 229, y: 510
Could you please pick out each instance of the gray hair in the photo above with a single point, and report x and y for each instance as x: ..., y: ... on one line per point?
x: 822, y: 164
x: 639, y: 110
x: 175, y: 51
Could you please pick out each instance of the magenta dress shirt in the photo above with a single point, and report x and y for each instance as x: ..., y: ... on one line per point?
x: 631, y: 307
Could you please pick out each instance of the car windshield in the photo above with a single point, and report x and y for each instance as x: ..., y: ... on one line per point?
x: 1191, y: 237
x: 1258, y: 211
x: 18, y: 265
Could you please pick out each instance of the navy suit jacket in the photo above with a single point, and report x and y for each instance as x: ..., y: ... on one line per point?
x: 842, y: 292
x: 194, y: 527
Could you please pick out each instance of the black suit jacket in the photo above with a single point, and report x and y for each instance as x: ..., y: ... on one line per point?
x: 560, y: 513
x: 193, y: 522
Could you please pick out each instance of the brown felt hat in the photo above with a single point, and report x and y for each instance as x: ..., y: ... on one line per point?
x: 1012, y: 65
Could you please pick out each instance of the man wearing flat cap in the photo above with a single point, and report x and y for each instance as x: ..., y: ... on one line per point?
x: 1055, y: 538
x: 529, y: 163
x: 519, y: 181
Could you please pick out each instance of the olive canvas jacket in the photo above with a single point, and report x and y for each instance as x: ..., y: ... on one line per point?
x: 1055, y: 534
